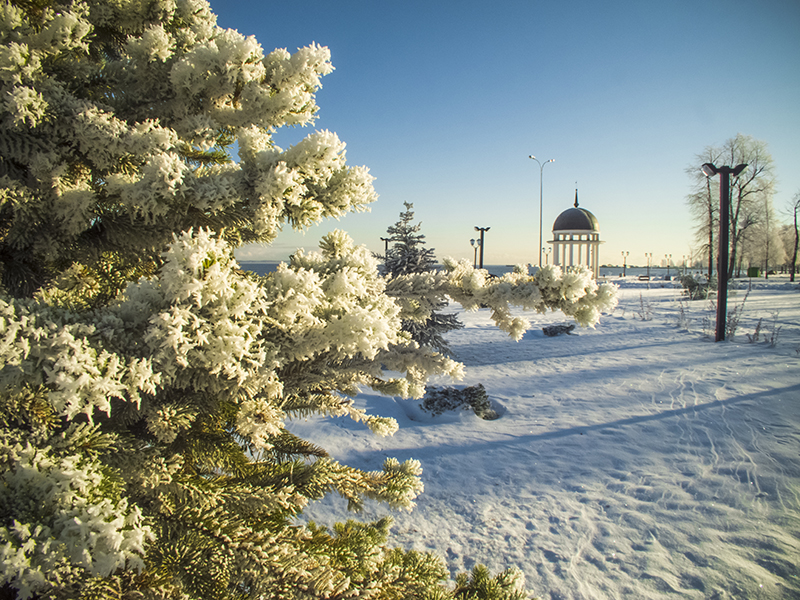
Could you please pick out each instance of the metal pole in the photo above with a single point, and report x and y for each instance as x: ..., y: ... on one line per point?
x: 724, y: 231
x: 541, y: 169
x: 482, y: 230
x: 722, y: 257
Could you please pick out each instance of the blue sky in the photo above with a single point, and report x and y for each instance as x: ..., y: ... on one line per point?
x: 445, y: 101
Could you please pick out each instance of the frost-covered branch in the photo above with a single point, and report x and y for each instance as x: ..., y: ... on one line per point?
x: 145, y: 379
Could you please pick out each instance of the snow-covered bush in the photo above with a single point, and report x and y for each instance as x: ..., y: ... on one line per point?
x: 474, y: 398
x: 144, y: 377
x: 697, y: 288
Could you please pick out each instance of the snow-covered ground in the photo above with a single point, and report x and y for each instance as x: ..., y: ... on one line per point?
x: 639, y: 459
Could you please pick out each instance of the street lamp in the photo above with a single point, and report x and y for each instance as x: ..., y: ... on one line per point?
x: 648, y: 257
x: 724, y: 228
x: 475, y: 248
x: 541, y: 168
x: 480, y: 241
x: 669, y: 260
x: 546, y: 255
x: 386, y: 246
x: 624, y: 262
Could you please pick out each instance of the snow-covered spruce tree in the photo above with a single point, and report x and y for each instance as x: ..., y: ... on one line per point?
x: 408, y: 255
x: 144, y: 378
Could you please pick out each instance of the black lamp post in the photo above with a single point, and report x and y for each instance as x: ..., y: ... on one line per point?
x: 475, y: 253
x: 648, y: 257
x: 386, y: 246
x: 624, y: 262
x: 668, y: 257
x: 724, y: 228
x: 480, y: 242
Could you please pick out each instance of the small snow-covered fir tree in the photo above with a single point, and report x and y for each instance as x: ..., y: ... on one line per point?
x: 408, y: 255
x: 145, y: 380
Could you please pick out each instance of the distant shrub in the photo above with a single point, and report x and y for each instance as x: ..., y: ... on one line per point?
x: 697, y: 289
x: 441, y: 400
x: 555, y: 330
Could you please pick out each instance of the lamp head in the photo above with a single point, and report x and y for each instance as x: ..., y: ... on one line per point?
x: 738, y: 169
x: 532, y: 156
x: 709, y: 169
x: 472, y: 242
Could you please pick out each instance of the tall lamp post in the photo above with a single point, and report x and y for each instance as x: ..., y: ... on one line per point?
x: 546, y: 255
x: 386, y: 246
x: 480, y: 241
x: 648, y: 257
x: 541, y: 168
x: 668, y: 257
x: 624, y: 262
x: 724, y: 229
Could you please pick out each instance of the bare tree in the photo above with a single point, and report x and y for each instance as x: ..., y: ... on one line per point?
x: 748, y: 194
x: 772, y: 249
x: 795, y: 208
x: 749, y: 191
x: 703, y: 202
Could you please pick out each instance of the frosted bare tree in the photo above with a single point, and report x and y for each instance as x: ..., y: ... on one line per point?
x: 795, y: 208
x: 703, y: 202
x: 748, y: 193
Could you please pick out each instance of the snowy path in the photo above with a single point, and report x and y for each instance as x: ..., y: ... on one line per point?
x: 636, y: 460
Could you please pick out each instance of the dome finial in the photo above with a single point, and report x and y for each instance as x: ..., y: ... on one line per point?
x: 576, y: 195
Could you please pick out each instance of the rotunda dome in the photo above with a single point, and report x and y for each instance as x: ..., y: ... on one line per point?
x: 576, y: 219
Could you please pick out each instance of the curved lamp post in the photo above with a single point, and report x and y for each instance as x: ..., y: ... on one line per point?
x: 541, y: 168
x: 724, y: 228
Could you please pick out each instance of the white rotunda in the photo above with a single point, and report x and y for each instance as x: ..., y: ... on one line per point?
x: 576, y: 239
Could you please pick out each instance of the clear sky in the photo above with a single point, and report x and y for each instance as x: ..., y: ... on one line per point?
x: 444, y: 102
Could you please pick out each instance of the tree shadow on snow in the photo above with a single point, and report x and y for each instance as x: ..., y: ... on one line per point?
x: 583, y: 429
